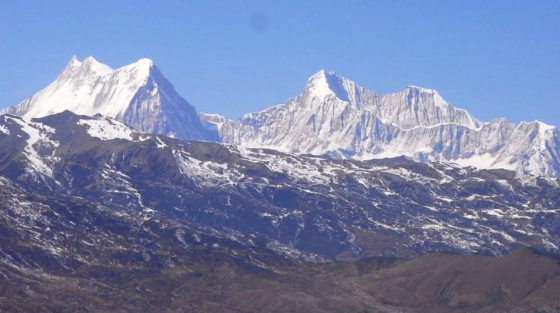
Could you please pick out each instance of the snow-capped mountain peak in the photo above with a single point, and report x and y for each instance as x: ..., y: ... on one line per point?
x: 89, y: 65
x: 145, y: 62
x: 141, y: 68
x: 324, y: 84
x: 320, y: 83
x: 335, y: 116
x: 137, y: 94
x: 74, y: 61
x: 324, y: 79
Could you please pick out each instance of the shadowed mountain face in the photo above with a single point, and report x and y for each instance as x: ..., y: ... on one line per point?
x: 301, y: 206
x: 95, y: 216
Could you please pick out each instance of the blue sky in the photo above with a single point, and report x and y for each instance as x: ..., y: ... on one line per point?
x: 494, y: 58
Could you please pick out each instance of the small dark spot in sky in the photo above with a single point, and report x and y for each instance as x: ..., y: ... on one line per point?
x: 258, y: 22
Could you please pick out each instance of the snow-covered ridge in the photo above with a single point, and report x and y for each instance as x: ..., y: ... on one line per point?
x: 42, y: 141
x: 335, y: 116
x: 107, y: 129
x: 332, y: 116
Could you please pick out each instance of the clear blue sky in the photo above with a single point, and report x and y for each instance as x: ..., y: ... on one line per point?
x: 493, y: 58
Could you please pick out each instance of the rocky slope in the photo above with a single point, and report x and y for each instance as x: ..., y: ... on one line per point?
x: 334, y: 116
x: 302, y: 206
x: 137, y: 94
x: 95, y: 216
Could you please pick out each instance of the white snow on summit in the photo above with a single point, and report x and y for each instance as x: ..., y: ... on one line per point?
x: 88, y: 88
x: 136, y: 94
x: 335, y: 116
x: 332, y: 116
x: 107, y: 129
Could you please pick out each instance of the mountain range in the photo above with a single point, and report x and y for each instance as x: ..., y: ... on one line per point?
x: 307, y: 207
x: 96, y: 216
x: 336, y: 117
x: 115, y: 195
x: 137, y: 94
x: 332, y: 116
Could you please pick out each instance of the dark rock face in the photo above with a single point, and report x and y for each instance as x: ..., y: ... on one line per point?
x: 306, y: 207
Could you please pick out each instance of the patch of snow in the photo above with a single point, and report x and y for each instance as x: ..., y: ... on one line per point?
x: 4, y: 129
x: 38, y: 133
x: 160, y: 144
x: 107, y: 129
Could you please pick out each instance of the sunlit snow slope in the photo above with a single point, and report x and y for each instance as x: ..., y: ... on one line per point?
x: 332, y: 116
x: 335, y: 116
x: 136, y: 94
